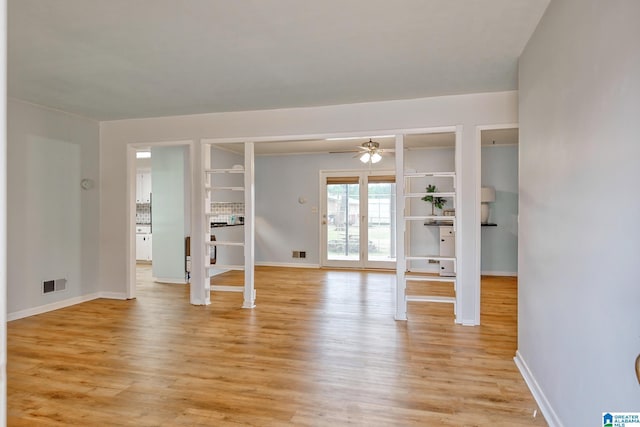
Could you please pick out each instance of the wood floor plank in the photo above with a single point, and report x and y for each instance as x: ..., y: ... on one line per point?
x: 320, y: 348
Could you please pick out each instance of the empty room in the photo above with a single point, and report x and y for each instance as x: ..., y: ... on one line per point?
x: 329, y: 213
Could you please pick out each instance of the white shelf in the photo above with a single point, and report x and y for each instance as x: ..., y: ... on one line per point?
x: 428, y: 174
x: 431, y: 217
x: 428, y: 257
x: 427, y: 298
x: 430, y: 279
x: 224, y: 243
x: 224, y: 188
x: 224, y: 171
x: 421, y: 195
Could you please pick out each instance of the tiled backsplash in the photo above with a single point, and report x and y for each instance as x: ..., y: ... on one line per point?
x: 143, y: 213
x: 222, y: 211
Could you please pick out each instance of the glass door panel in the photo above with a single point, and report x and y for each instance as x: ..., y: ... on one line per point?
x: 343, y: 220
x: 381, y: 226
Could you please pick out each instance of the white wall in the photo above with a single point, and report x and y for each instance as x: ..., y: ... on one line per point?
x: 579, y: 236
x: 499, y: 248
x: 53, y: 225
x: 466, y: 110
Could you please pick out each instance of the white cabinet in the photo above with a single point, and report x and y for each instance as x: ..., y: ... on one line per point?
x: 143, y: 247
x: 447, y: 249
x: 143, y: 187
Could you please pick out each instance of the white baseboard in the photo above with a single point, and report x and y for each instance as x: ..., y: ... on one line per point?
x: 170, y: 281
x: 500, y: 273
x: 545, y: 407
x: 113, y: 295
x: 62, y: 304
x: 286, y: 264
x: 50, y: 307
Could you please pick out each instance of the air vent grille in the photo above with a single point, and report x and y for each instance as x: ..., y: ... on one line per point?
x: 54, y: 285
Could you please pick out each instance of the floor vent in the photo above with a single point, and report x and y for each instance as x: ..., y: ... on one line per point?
x: 55, y: 285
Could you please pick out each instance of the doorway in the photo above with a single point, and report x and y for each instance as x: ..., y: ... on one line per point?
x: 497, y: 214
x: 159, y: 212
x: 358, y: 219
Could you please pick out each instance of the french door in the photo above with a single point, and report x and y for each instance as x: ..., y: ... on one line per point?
x: 358, y: 219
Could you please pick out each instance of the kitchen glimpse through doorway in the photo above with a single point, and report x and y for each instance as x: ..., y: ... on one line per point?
x: 358, y: 219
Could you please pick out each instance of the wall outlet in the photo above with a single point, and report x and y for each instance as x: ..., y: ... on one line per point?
x: 295, y: 254
x: 303, y: 254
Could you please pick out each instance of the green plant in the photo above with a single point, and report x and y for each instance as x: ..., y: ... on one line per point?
x: 436, y: 202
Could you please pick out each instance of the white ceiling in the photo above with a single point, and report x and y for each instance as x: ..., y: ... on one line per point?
x: 115, y: 59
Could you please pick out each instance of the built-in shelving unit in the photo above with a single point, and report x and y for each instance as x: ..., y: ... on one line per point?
x: 212, y: 191
x: 405, y: 193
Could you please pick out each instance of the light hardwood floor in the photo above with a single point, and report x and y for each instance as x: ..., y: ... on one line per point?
x: 320, y: 349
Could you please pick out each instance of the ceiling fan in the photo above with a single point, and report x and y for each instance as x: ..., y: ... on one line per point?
x: 370, y: 152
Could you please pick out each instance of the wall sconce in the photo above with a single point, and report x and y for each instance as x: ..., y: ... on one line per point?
x: 487, y: 195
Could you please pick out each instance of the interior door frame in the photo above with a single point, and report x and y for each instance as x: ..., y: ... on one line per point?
x: 363, y: 181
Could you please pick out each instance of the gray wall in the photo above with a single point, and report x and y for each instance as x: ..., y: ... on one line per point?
x: 283, y: 224
x: 499, y: 245
x: 53, y: 225
x: 168, y: 177
x: 579, y: 236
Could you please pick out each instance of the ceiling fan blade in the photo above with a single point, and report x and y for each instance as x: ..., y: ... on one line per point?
x: 343, y: 151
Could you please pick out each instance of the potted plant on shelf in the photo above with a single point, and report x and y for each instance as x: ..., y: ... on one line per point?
x: 436, y: 202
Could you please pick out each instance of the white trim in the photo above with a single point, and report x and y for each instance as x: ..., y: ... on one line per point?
x: 51, y: 307
x: 500, y: 273
x: 550, y: 415
x: 113, y: 295
x: 249, y: 241
x: 461, y: 209
x: 130, y: 249
x: 63, y: 304
x: 286, y: 264
x: 170, y: 281
x: 399, y: 297
x: 363, y: 179
x: 303, y: 137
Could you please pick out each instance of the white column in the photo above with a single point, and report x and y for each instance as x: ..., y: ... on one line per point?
x: 401, y: 264
x: 468, y: 220
x: 249, y: 225
x: 200, y: 158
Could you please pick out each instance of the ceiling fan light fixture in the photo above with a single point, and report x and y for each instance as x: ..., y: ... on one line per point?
x: 375, y: 157
x: 365, y: 157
